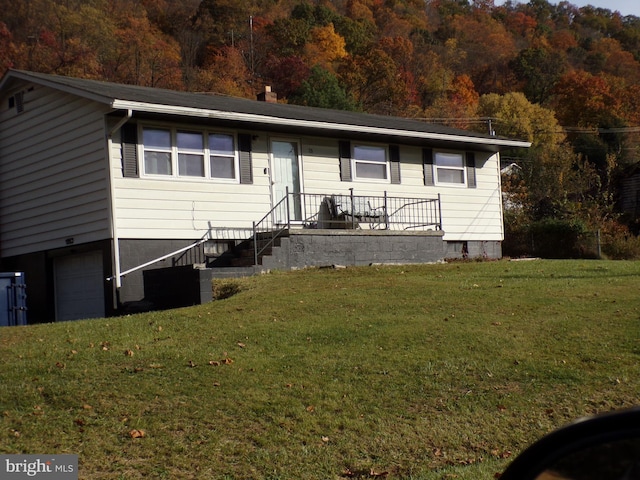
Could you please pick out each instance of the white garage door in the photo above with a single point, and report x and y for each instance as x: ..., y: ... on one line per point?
x: 79, y: 286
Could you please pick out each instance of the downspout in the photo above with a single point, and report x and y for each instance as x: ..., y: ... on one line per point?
x: 117, y: 284
x: 498, y: 161
x: 122, y: 121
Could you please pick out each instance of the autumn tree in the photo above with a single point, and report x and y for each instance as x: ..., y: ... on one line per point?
x: 376, y: 82
x: 225, y: 72
x: 585, y: 100
x: 286, y: 74
x: 223, y: 20
x: 7, y: 49
x: 288, y: 36
x: 324, y: 47
x: 458, y: 107
x: 145, y: 56
x: 546, y: 167
x: 488, y: 50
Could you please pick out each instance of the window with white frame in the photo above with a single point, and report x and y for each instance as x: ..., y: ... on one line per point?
x: 222, y: 157
x: 170, y: 151
x: 157, y: 151
x: 190, y: 147
x: 450, y: 168
x: 370, y: 162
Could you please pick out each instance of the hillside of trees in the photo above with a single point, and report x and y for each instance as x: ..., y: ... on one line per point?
x: 565, y: 78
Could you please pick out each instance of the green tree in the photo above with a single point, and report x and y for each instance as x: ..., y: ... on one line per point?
x: 322, y: 89
x: 539, y: 69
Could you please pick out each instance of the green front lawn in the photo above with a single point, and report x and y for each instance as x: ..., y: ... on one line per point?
x: 414, y: 372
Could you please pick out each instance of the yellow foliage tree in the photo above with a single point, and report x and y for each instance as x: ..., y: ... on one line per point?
x: 325, y: 47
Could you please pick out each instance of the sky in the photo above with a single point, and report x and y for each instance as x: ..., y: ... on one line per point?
x: 625, y: 7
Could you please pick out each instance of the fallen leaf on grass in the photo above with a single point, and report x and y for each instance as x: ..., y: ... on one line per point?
x: 373, y: 473
x: 347, y: 472
x: 191, y: 364
x: 311, y: 408
x: 498, y: 454
x: 60, y: 365
x: 128, y: 353
x: 241, y: 345
x: 214, y: 363
x: 325, y: 439
x: 135, y: 433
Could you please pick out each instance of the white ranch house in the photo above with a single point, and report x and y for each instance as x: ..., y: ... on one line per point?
x: 103, y: 187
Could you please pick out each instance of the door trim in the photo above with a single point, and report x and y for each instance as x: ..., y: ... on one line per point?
x: 272, y: 170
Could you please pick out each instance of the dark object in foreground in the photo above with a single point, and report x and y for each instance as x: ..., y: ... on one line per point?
x: 603, y: 447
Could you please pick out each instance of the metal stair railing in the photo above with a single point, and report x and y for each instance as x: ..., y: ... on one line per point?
x: 264, y: 229
x: 344, y: 211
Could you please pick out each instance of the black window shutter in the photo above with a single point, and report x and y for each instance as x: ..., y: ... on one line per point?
x: 394, y: 158
x: 427, y: 164
x: 345, y: 160
x: 470, y: 162
x: 246, y: 164
x: 129, y: 139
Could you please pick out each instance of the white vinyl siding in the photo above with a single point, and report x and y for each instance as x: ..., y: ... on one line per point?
x: 467, y: 213
x: 170, y: 209
x: 159, y: 207
x: 53, y: 180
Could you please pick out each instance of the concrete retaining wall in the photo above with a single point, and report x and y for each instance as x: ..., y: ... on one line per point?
x: 317, y: 248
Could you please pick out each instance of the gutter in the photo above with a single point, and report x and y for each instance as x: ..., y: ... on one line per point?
x: 290, y: 122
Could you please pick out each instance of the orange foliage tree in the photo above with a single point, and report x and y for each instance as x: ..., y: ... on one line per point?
x: 324, y: 47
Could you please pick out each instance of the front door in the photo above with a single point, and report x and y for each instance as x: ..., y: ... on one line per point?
x: 286, y: 177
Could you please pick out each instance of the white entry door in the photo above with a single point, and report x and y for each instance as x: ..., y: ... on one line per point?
x: 286, y: 176
x: 79, y: 286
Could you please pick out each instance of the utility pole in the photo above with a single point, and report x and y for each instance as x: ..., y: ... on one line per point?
x: 251, y: 43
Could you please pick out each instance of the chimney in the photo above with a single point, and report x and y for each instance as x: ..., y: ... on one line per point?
x: 268, y: 96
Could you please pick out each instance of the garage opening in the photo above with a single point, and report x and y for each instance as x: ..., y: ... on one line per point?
x: 79, y: 286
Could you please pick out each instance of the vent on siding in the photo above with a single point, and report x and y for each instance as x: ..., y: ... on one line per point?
x: 427, y: 165
x: 246, y: 161
x: 470, y: 162
x: 17, y: 102
x: 394, y: 158
x: 344, y: 147
x: 129, y: 134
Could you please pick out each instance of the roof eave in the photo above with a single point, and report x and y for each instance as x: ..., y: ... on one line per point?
x: 27, y: 77
x: 312, y: 124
